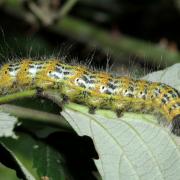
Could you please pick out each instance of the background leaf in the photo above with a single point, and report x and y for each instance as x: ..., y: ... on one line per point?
x: 35, y: 158
x: 7, y: 123
x: 170, y: 76
x: 7, y: 174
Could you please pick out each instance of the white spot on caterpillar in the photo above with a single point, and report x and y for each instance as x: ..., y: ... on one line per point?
x: 82, y: 83
x: 90, y: 86
x: 79, y: 82
x: 56, y: 75
x: 102, y: 89
x: 33, y: 71
x: 13, y: 73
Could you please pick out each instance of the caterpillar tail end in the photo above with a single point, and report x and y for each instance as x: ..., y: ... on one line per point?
x: 175, y: 127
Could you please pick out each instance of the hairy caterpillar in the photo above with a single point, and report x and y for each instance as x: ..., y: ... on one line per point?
x: 92, y: 88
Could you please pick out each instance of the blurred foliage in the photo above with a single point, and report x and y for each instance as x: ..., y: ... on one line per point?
x: 146, y: 21
x: 7, y: 174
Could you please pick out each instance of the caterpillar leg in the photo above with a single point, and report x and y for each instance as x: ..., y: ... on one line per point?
x: 119, y: 112
x: 65, y: 99
x: 92, y: 109
x: 51, y: 95
x: 39, y: 91
x: 175, y: 126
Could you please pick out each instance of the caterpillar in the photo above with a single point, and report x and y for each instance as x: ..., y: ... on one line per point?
x: 95, y: 89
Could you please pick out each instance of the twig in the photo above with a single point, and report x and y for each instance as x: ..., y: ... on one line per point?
x: 37, y: 116
x: 26, y: 113
x: 18, y: 95
x: 45, y: 18
x: 119, y: 46
x: 66, y: 8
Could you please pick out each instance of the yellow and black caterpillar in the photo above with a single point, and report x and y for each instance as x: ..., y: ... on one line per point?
x: 92, y: 88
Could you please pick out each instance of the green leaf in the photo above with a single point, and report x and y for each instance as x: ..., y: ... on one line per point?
x: 7, y: 174
x: 134, y: 146
x: 7, y: 123
x: 35, y: 158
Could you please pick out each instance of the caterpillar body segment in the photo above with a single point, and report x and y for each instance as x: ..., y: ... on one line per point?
x: 92, y: 88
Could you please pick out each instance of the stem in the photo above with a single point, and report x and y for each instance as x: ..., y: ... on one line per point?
x: 18, y: 95
x: 36, y: 116
x: 39, y: 116
x: 44, y: 17
x: 66, y: 8
x: 119, y: 46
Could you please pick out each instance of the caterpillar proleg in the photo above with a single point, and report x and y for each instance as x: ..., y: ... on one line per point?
x: 95, y: 89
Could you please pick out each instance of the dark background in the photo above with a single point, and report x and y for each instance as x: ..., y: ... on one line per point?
x: 148, y: 21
